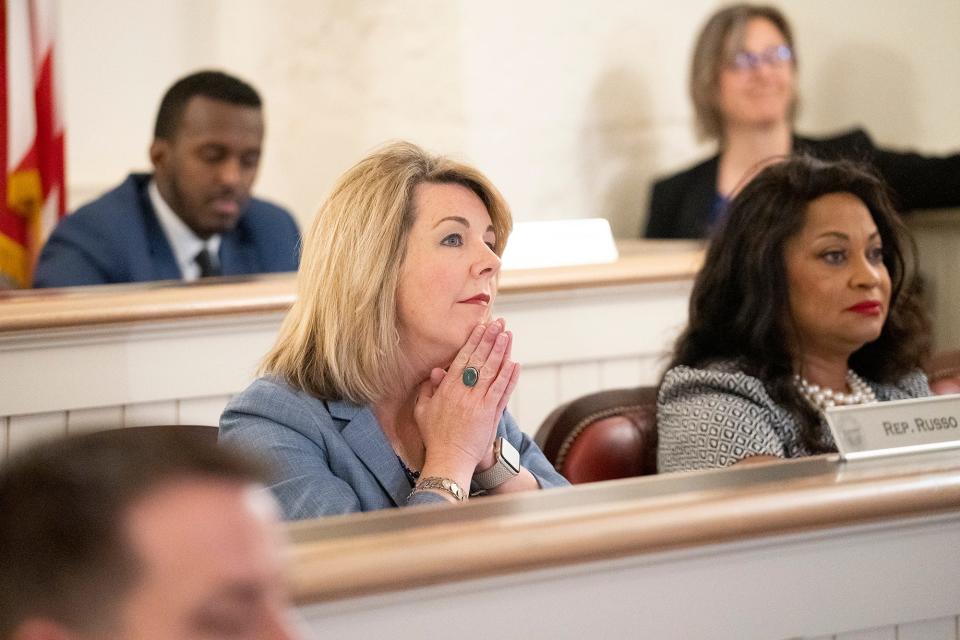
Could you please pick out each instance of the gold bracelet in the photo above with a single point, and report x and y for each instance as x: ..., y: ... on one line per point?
x: 441, y: 484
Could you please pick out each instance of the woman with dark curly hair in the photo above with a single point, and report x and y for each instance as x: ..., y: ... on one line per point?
x: 806, y: 299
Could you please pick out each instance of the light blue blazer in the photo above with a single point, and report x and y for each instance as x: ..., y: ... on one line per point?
x: 331, y: 457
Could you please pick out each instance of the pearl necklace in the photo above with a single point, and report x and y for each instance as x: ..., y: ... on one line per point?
x: 821, y: 398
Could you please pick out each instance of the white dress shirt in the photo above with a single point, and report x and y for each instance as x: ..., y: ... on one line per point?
x: 184, y: 242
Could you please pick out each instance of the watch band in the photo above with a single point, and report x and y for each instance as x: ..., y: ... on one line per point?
x: 506, y: 466
x: 437, y: 483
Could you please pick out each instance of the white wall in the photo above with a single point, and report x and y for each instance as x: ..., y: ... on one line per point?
x: 571, y: 107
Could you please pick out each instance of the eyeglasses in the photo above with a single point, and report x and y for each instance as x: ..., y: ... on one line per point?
x: 773, y: 56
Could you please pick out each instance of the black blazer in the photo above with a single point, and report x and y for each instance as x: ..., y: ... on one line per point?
x: 680, y: 205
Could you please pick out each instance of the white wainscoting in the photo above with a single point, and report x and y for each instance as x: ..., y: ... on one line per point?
x: 574, y: 342
x: 19, y: 431
x: 570, y: 342
x: 183, y: 372
x: 102, y: 377
x: 938, y: 629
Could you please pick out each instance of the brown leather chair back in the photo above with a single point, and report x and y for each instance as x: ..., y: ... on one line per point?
x: 603, y: 435
x: 943, y: 371
x: 201, y: 431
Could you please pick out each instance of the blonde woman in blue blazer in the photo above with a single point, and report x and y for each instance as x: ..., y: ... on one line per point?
x: 388, y: 383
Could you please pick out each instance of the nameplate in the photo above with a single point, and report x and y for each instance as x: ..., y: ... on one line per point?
x: 559, y: 243
x: 895, y: 427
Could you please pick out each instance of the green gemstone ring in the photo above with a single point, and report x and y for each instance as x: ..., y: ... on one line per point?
x: 470, y: 376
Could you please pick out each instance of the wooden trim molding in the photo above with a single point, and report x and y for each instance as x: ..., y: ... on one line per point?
x: 159, y: 301
x: 640, y: 262
x: 635, y: 266
x: 365, y: 554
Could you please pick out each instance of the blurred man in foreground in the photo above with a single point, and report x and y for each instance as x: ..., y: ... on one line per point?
x: 137, y: 535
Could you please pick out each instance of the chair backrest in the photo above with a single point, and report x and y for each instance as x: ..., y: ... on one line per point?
x: 201, y: 431
x: 943, y: 372
x: 603, y: 435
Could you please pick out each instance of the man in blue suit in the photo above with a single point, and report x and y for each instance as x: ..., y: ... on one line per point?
x: 194, y: 216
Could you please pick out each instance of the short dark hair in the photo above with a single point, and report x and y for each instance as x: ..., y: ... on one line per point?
x: 740, y: 296
x: 210, y: 84
x: 63, y: 548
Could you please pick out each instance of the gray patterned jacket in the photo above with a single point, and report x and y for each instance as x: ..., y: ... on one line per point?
x: 717, y: 416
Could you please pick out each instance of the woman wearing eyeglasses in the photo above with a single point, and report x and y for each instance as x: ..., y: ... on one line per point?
x: 743, y: 87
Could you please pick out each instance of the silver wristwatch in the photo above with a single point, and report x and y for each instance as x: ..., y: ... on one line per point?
x: 507, y: 466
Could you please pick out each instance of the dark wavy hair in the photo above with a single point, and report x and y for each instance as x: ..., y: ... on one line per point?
x: 737, y: 308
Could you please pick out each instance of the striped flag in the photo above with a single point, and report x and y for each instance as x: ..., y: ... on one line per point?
x: 32, y: 186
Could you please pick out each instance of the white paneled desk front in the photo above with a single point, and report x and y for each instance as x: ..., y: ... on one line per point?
x: 169, y: 353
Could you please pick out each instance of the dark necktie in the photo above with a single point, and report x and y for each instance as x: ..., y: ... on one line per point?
x: 205, y: 262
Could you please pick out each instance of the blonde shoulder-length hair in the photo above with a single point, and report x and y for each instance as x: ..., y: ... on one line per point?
x: 716, y: 45
x: 340, y: 339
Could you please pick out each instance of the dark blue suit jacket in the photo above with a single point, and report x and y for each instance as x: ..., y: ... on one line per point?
x: 118, y: 238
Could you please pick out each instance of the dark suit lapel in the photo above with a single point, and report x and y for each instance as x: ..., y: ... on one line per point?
x: 237, y: 256
x: 697, y: 204
x: 161, y: 263
x: 365, y: 437
x: 802, y: 146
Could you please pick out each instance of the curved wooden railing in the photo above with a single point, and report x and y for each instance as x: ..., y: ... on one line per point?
x: 81, y: 306
x: 372, y: 553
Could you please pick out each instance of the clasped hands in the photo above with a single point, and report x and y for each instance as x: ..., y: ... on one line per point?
x: 457, y: 423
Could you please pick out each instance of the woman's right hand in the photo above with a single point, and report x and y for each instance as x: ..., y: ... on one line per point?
x: 457, y: 423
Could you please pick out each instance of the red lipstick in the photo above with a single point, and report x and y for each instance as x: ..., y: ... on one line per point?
x: 481, y: 299
x: 867, y: 308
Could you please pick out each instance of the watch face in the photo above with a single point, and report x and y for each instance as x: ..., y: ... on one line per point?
x: 509, y: 455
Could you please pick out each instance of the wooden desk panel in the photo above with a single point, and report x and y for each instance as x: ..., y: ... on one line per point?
x: 103, y: 357
x: 641, y: 262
